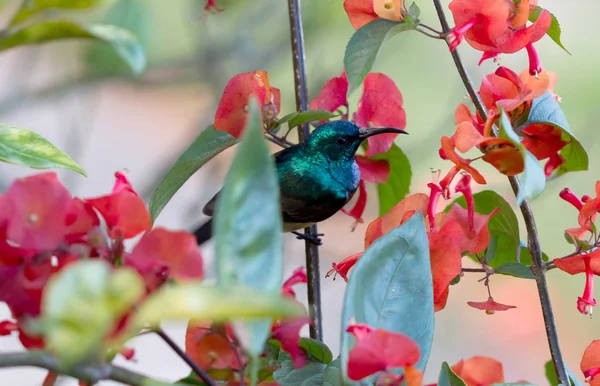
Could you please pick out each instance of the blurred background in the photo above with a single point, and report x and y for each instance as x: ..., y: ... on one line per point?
x: 79, y: 95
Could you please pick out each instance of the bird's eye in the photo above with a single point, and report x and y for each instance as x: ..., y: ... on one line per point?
x: 341, y: 141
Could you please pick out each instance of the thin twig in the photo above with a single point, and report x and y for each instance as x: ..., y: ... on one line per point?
x: 284, y: 144
x: 428, y: 34
x: 312, y: 250
x: 90, y: 373
x: 478, y: 270
x: 435, y: 31
x: 193, y: 365
x: 533, y: 242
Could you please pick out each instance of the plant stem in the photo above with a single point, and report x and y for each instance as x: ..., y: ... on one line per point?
x: 193, y: 365
x: 533, y: 242
x: 312, y: 250
x: 89, y: 373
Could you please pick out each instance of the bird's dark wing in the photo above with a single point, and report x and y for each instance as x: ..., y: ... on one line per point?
x: 296, y: 211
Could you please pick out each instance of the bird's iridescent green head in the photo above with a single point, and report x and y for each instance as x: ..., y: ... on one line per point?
x: 339, y: 140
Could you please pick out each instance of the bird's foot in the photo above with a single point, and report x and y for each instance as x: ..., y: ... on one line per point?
x: 313, y: 238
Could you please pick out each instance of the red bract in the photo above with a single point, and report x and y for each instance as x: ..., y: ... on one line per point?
x: 297, y: 277
x: 479, y: 370
x: 376, y: 171
x: 490, y: 306
x: 80, y: 220
x: 362, y: 12
x: 588, y: 263
x: 380, y: 350
x: 496, y: 26
x: 590, y: 363
x: 233, y: 108
x: 123, y: 210
x: 288, y: 334
x: 332, y: 95
x: 209, y: 349
x: 358, y: 208
x: 587, y: 212
x: 211, y: 6
x: 545, y: 142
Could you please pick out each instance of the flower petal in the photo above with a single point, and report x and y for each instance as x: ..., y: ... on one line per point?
x: 360, y: 12
x: 376, y: 171
x: 332, y: 95
x: 590, y: 363
x: 479, y: 370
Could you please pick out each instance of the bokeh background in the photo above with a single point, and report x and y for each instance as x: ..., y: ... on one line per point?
x: 80, y: 96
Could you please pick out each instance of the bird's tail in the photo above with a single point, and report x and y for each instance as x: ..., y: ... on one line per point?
x: 204, y: 232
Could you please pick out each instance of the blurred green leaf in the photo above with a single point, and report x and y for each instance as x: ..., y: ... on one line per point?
x: 391, y: 288
x: 364, y: 45
x: 31, y: 8
x: 532, y: 178
x: 313, y: 374
x: 398, y: 183
x: 310, y: 116
x: 81, y: 305
x: 414, y: 10
x: 553, y: 31
x: 191, y: 379
x: 209, y: 143
x: 121, y: 40
x: 448, y: 377
x: 552, y: 378
x: 317, y: 349
x: 215, y: 303
x: 23, y: 147
x: 525, y: 257
x: 512, y: 268
x: 248, y: 224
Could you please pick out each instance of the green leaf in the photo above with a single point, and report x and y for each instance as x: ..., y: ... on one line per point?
x: 414, y: 11
x: 215, y: 303
x: 318, y: 350
x: 552, y: 378
x: 512, y: 268
x: 31, y: 8
x: 310, y: 116
x: 546, y: 110
x: 448, y: 377
x: 122, y: 41
x: 525, y: 257
x: 398, y: 183
x: 209, y: 143
x: 532, y: 178
x: 248, y: 224
x: 313, y: 374
x: 553, y: 31
x: 81, y: 305
x: 23, y: 147
x: 191, y: 379
x: 364, y: 45
x: 391, y: 288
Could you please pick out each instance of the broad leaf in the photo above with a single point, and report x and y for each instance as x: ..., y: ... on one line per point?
x: 532, y: 178
x: 391, y: 288
x: 512, y: 268
x: 553, y: 379
x: 248, y: 224
x: 23, y: 147
x: 310, y: 116
x: 364, y: 45
x: 122, y: 41
x: 313, y: 374
x: 318, y: 350
x: 448, y: 377
x: 31, y: 8
x: 553, y: 31
x: 525, y: 256
x: 398, y: 183
x: 546, y: 110
x: 209, y: 143
x: 214, y: 303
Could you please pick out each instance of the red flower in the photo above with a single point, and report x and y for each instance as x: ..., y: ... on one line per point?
x: 590, y: 363
x: 288, y: 334
x: 80, y: 220
x: 490, y: 306
x: 545, y: 142
x: 297, y: 277
x: 588, y: 263
x: 343, y: 267
x: 211, y: 6
x: 588, y: 210
x: 233, y: 107
x: 332, y: 95
x: 362, y: 12
x: 211, y: 349
x: 380, y: 350
x: 479, y: 370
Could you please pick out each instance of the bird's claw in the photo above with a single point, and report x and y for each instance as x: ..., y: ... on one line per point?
x: 313, y: 238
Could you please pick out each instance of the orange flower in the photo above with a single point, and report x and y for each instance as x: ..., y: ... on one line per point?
x: 590, y: 363
x: 362, y: 12
x: 479, y: 370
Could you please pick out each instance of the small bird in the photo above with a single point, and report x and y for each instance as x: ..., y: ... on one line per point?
x: 316, y: 178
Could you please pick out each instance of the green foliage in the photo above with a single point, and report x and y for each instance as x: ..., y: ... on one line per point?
x: 398, y: 183
x: 554, y: 30
x: 23, y: 147
x: 532, y: 178
x: 302, y: 117
x: 209, y: 143
x: 317, y: 349
x: 248, y: 224
x: 364, y: 46
x: 512, y: 268
x: 81, y: 305
x: 391, y: 288
x: 448, y: 377
x: 313, y: 374
x: 30, y: 8
x: 553, y: 380
x: 121, y: 40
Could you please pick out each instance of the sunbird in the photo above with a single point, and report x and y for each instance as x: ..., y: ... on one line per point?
x: 316, y: 178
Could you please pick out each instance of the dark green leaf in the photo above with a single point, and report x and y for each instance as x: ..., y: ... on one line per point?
x: 448, y: 377
x: 532, y: 178
x: 209, y: 143
x: 553, y: 31
x: 364, y: 45
x: 313, y: 374
x: 552, y: 378
x: 318, y: 350
x: 525, y: 257
x: 191, y: 379
x: 248, y: 224
x: 121, y: 40
x: 31, y: 8
x: 391, y: 288
x: 396, y: 187
x: 512, y: 268
x: 490, y: 252
x: 23, y: 147
x: 310, y: 116
x: 456, y: 280
x: 546, y: 110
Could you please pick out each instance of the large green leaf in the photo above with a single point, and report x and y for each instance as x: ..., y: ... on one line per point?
x: 313, y: 374
x: 532, y: 178
x: 364, y: 45
x: 448, y: 377
x: 512, y: 268
x: 208, y: 144
x: 553, y: 31
x: 546, y: 110
x: 121, y: 40
x: 317, y: 349
x: 23, y: 147
x: 248, y: 224
x: 309, y: 116
x: 396, y: 187
x: 391, y: 288
x: 31, y: 8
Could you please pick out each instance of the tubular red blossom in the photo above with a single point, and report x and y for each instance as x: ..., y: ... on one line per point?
x: 591, y: 373
x: 464, y: 187
x: 359, y: 330
x: 456, y: 35
x: 211, y: 6
x: 297, y: 277
x: 343, y: 266
x: 7, y: 327
x: 288, y: 334
x: 585, y: 198
x: 447, y: 180
x: 590, y: 363
x: 587, y: 301
x: 570, y: 197
x: 359, y: 208
x: 535, y: 66
x: 434, y: 197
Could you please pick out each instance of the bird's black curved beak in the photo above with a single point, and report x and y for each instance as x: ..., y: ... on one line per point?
x: 366, y: 133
